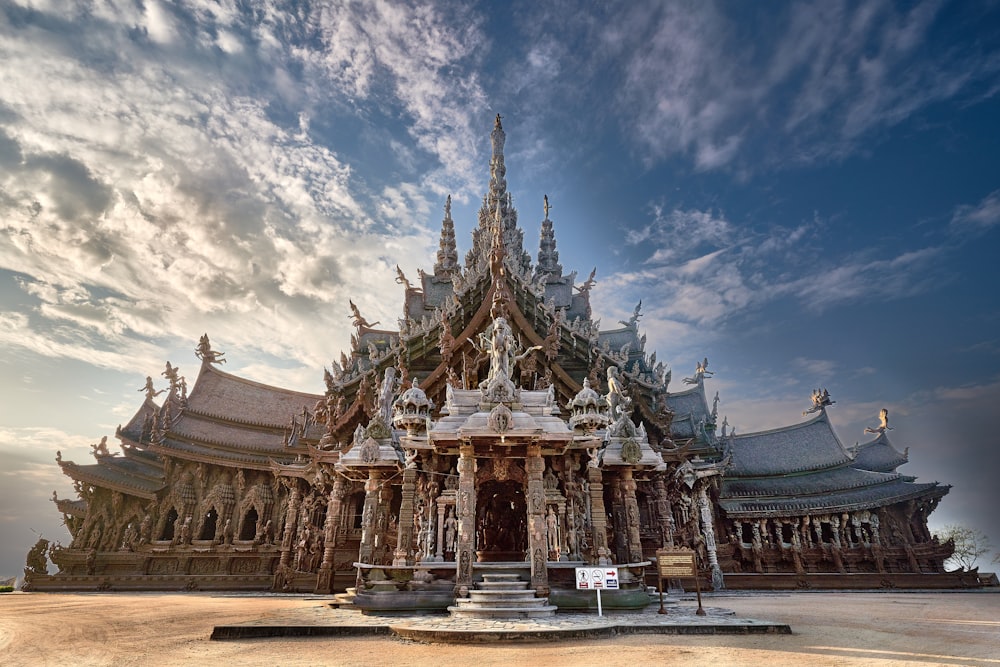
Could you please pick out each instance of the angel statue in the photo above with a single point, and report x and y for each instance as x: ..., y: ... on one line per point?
x: 883, y: 426
x: 359, y: 320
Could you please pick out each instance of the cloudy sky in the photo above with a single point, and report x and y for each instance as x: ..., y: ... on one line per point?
x: 807, y: 193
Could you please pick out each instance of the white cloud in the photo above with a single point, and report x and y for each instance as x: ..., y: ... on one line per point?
x: 818, y: 81
x: 975, y: 219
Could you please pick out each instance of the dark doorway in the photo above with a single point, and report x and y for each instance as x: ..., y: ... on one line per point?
x: 501, y: 522
x: 168, y: 525
x: 208, y: 525
x: 249, y: 528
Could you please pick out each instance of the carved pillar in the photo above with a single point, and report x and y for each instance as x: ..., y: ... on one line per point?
x: 404, y: 532
x: 619, y: 524
x: 708, y: 531
x: 797, y: 548
x: 324, y: 582
x: 441, y: 507
x: 534, y: 466
x: 372, y: 486
x: 381, y: 545
x: 631, y: 516
x: 291, y: 514
x: 664, y: 513
x: 466, y: 511
x: 835, y: 548
x: 572, y: 540
x: 598, y: 517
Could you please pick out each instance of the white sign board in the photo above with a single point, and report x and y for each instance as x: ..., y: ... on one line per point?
x: 597, y: 578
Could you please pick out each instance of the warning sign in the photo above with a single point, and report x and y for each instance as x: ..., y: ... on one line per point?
x: 596, y: 578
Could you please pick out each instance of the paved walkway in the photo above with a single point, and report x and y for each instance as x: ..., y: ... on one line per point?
x: 323, y: 620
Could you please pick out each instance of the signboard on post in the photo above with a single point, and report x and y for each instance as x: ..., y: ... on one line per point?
x: 597, y: 579
x: 676, y: 563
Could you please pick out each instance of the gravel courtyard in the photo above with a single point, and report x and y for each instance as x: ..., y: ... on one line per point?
x: 828, y: 629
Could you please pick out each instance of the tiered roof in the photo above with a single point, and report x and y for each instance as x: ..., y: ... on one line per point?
x: 804, y: 468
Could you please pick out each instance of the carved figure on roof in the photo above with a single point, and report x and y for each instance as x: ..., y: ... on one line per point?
x: 101, y: 448
x: 359, y: 321
x: 171, y: 373
x: 616, y: 393
x: 205, y: 352
x: 588, y: 284
x: 820, y: 399
x: 636, y: 314
x: 883, y: 418
x: 402, y: 280
x: 552, y: 341
x: 545, y: 206
x: 500, y: 346
x: 700, y: 372
x: 387, y: 389
x: 446, y: 341
x: 151, y: 392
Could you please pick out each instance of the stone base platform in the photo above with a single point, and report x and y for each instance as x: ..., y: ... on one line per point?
x: 324, y: 621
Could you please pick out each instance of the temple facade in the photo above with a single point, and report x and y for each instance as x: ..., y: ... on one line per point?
x: 497, y: 430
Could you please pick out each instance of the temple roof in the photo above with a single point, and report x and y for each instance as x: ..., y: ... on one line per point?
x: 133, y: 430
x: 852, y: 499
x: 878, y: 455
x: 811, y: 445
x: 235, y: 399
x: 240, y: 437
x: 805, y: 469
x: 210, y: 453
x: 120, y: 473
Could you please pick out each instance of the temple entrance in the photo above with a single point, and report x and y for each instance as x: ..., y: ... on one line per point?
x: 501, y: 522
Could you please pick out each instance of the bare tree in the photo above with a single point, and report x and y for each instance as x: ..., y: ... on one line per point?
x: 970, y: 544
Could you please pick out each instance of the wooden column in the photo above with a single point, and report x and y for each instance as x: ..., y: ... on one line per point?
x: 598, y: 518
x: 538, y: 545
x: 404, y: 532
x: 465, y: 505
x: 331, y: 528
x: 708, y: 531
x: 372, y: 487
x: 664, y: 513
x: 441, y: 507
x: 619, y: 530
x: 631, y: 516
x: 291, y: 514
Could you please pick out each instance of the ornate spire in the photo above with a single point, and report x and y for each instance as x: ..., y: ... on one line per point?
x: 498, y: 204
x: 447, y: 256
x: 498, y: 172
x: 548, y: 256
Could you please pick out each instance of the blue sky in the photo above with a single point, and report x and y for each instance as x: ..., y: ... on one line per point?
x: 807, y: 193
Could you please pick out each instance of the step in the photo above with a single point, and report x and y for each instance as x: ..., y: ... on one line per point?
x: 492, y: 596
x: 502, y: 612
x: 498, y: 576
x: 530, y: 603
x: 502, y: 585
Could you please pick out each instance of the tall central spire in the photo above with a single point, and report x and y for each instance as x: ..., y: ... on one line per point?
x: 497, y: 214
x: 498, y: 172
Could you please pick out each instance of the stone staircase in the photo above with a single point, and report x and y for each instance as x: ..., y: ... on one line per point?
x: 502, y: 596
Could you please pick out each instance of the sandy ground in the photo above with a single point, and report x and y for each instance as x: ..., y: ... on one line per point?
x: 828, y: 629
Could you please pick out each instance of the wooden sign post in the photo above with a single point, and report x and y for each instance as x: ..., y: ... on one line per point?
x: 675, y: 563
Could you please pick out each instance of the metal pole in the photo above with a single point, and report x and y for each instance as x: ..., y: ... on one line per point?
x: 599, y: 611
x: 660, y: 577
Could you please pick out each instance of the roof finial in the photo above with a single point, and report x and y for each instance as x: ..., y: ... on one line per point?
x: 447, y: 255
x: 546, y: 206
x: 497, y: 124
